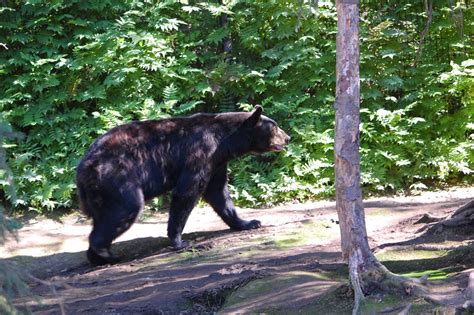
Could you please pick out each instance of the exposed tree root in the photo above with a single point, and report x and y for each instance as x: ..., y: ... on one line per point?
x: 461, y: 222
x: 381, y: 280
x: 210, y: 300
x: 355, y: 280
x: 408, y: 245
x: 462, y: 217
x: 429, y: 218
x: 369, y: 277
x: 468, y: 306
x: 403, y: 309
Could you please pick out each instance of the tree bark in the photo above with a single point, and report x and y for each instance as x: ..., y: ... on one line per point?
x: 367, y: 274
x: 350, y: 209
x: 347, y: 158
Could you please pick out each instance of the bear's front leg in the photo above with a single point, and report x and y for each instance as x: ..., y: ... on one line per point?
x: 180, y: 209
x: 218, y: 196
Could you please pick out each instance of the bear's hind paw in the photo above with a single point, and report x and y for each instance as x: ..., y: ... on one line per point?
x: 105, y: 257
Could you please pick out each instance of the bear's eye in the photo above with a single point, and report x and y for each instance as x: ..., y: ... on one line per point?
x: 270, y: 128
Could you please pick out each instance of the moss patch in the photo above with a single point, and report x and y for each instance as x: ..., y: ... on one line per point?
x: 308, y: 233
x: 341, y: 301
x: 279, y: 294
x: 409, y: 254
x: 392, y: 304
x: 434, y: 274
x: 440, y: 262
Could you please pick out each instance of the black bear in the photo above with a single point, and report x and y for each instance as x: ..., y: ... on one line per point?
x: 140, y: 160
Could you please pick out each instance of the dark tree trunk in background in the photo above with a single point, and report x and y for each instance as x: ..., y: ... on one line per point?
x: 429, y: 13
x: 227, y: 45
x: 228, y: 102
x: 366, y: 273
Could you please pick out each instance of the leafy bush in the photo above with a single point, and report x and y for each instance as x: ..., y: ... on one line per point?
x: 71, y: 70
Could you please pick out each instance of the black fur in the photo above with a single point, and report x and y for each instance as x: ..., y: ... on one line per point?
x: 188, y: 156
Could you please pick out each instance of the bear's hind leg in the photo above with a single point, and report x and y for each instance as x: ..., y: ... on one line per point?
x: 180, y: 209
x: 112, y: 221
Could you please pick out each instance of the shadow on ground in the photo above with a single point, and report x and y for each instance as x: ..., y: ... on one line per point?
x: 62, y: 264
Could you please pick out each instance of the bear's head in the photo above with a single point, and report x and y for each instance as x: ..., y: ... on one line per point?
x: 266, y: 136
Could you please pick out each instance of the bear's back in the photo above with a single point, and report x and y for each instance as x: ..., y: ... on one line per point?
x: 165, y: 142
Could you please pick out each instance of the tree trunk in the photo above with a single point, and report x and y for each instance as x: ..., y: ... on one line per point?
x: 350, y: 209
x: 366, y: 273
x: 347, y: 158
x: 228, y: 102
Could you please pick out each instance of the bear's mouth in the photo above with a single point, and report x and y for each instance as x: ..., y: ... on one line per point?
x: 277, y: 147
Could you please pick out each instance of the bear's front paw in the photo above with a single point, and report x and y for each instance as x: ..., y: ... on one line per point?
x: 254, y: 224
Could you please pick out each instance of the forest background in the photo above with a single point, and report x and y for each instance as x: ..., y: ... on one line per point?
x: 71, y: 70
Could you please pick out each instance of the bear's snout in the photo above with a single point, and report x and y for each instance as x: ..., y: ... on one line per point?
x: 280, y: 140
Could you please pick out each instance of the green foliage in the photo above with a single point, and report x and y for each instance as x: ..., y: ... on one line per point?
x: 415, y: 123
x: 11, y: 279
x: 71, y: 70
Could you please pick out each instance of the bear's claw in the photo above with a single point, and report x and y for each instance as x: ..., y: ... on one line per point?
x: 249, y: 225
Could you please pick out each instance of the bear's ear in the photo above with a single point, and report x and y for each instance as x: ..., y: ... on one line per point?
x: 254, y: 117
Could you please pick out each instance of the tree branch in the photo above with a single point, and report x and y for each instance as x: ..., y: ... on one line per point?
x: 429, y: 13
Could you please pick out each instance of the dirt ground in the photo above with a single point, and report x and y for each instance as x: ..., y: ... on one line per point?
x: 291, y: 265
